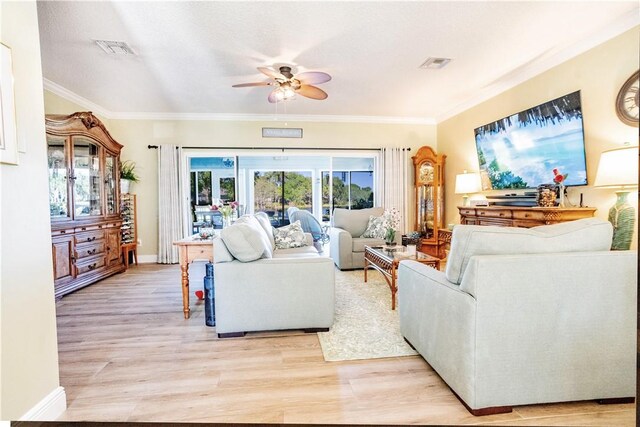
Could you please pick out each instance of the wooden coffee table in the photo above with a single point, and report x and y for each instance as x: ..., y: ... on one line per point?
x: 385, y: 259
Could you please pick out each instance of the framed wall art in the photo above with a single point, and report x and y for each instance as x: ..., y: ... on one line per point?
x: 8, y: 131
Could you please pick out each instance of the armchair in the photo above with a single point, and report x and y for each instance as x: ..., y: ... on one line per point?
x: 345, y: 244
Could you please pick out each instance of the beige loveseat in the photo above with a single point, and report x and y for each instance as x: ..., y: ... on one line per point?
x: 279, y: 289
x: 345, y: 244
x: 526, y: 316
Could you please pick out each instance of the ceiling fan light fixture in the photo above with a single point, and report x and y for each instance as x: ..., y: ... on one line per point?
x: 288, y: 86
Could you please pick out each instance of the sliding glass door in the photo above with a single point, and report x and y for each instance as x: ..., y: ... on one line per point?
x: 268, y: 181
x: 274, y: 192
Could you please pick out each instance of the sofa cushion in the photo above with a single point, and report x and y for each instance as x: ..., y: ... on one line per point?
x: 303, y: 251
x: 357, y: 243
x: 253, y: 221
x: 589, y: 234
x: 354, y: 221
x: 220, y: 252
x: 377, y: 227
x: 290, y: 236
x: 263, y: 219
x: 246, y: 242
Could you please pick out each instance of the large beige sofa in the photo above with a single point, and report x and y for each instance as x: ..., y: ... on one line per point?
x: 526, y: 316
x: 282, y: 289
x: 345, y: 244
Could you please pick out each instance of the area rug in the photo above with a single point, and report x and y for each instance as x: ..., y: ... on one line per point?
x: 365, y: 327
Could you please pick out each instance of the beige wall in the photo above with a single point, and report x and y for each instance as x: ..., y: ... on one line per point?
x: 136, y: 135
x: 29, y: 365
x: 598, y: 74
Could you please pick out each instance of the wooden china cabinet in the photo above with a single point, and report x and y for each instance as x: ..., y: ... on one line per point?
x: 83, y: 161
x: 429, y: 192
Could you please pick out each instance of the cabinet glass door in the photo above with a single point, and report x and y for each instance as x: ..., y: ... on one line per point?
x: 58, y: 182
x: 86, y: 171
x: 110, y: 180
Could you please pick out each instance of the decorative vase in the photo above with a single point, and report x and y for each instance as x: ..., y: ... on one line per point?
x: 125, y: 185
x: 226, y: 221
x: 561, y: 196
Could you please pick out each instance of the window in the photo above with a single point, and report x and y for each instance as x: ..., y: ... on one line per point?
x: 351, y: 190
x: 212, y: 181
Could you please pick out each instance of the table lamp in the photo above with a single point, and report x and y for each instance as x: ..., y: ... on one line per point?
x: 618, y: 168
x: 467, y: 183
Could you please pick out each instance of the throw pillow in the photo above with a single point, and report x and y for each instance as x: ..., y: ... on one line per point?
x: 377, y: 227
x: 246, y: 242
x: 290, y: 236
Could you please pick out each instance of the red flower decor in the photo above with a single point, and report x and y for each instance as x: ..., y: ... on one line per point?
x: 559, y: 178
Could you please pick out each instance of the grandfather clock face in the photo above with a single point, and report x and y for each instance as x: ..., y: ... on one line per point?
x: 426, y: 174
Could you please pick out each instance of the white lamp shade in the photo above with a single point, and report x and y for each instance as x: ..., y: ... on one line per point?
x: 618, y: 168
x: 468, y: 183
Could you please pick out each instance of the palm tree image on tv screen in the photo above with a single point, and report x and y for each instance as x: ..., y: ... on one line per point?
x: 522, y: 150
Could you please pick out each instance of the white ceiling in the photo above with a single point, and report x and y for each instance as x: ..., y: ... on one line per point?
x: 190, y: 53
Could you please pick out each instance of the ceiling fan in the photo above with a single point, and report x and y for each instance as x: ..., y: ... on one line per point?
x: 287, y: 85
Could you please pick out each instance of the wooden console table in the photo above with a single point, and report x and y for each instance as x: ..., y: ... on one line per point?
x: 520, y: 216
x: 192, y: 249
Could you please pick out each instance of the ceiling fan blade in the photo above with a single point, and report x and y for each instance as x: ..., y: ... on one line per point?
x: 273, y: 74
x: 272, y: 96
x: 312, y: 77
x: 312, y: 92
x: 253, y: 84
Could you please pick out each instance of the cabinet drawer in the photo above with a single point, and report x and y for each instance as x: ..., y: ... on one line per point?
x: 84, y: 228
x: 467, y: 212
x: 89, y: 264
x: 495, y: 221
x: 89, y: 236
x: 63, y: 232
x: 89, y: 249
x: 529, y: 215
x: 493, y: 213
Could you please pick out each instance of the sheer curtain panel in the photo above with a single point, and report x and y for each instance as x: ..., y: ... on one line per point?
x: 395, y: 183
x: 169, y: 199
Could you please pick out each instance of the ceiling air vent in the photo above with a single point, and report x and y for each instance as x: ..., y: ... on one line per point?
x: 115, y: 48
x: 435, y: 63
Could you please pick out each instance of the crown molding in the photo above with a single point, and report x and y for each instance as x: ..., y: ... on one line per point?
x: 97, y: 109
x: 556, y: 57
x: 75, y: 98
x: 273, y: 117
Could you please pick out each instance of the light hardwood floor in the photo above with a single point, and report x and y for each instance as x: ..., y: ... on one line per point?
x: 127, y: 354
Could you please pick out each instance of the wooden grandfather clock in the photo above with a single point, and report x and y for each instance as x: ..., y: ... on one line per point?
x: 429, y: 191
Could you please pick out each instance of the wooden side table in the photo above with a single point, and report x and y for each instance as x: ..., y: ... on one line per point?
x: 191, y: 249
x: 128, y: 248
x: 385, y: 259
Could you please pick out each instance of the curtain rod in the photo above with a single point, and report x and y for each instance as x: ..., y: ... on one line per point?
x: 276, y: 148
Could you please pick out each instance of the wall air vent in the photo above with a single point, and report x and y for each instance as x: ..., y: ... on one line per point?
x: 435, y: 63
x: 115, y: 48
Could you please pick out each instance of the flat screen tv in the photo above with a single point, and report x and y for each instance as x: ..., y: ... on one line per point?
x: 521, y: 150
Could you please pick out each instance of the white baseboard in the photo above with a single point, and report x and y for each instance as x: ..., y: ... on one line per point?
x: 147, y: 259
x: 49, y: 408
